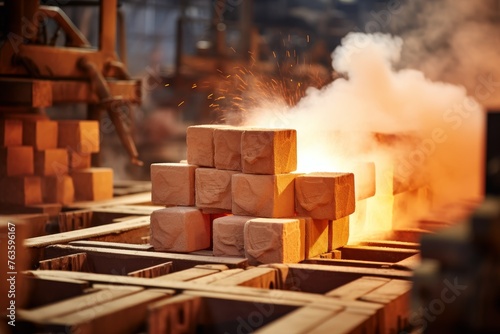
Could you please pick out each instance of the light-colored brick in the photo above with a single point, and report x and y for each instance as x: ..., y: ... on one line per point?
x: 79, y: 136
x: 228, y: 239
x: 41, y: 134
x: 179, y: 229
x: 11, y: 132
x: 315, y: 236
x: 22, y: 190
x: 16, y: 161
x: 173, y: 184
x: 269, y: 196
x: 227, y: 146
x: 338, y: 233
x: 58, y: 189
x: 200, y: 144
x: 273, y: 241
x: 213, y: 188
x: 93, y: 184
x: 325, y: 195
x: 52, y: 161
x: 269, y: 151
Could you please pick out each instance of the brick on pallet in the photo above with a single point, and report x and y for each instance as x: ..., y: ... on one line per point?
x: 325, y: 195
x: 273, y: 241
x: 200, y: 144
x: 228, y: 238
x: 227, y: 148
x: 22, y: 190
x: 269, y: 196
x: 78, y: 160
x: 315, y: 236
x: 269, y: 151
x: 79, y: 136
x: 58, y: 189
x: 338, y: 233
x: 93, y: 184
x: 173, y: 184
x: 52, y: 161
x: 179, y: 229
x: 16, y: 161
x: 11, y: 132
x: 213, y: 188
x: 41, y: 134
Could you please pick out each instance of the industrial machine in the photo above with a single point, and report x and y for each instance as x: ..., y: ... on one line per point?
x: 36, y: 73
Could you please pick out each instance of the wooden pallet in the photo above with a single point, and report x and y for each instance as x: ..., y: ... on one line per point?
x: 106, y: 273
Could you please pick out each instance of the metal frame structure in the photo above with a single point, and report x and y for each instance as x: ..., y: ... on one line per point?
x: 37, y: 75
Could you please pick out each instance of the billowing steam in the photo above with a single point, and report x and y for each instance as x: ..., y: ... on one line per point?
x: 425, y: 135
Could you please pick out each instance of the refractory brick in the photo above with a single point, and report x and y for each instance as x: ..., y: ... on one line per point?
x: 11, y: 132
x: 52, y: 161
x: 338, y: 233
x: 78, y: 160
x: 79, y: 136
x: 16, y: 161
x: 173, y: 184
x: 269, y: 151
x: 316, y: 234
x: 41, y: 134
x: 227, y: 148
x: 325, y: 195
x: 180, y: 229
x: 200, y: 144
x: 273, y: 241
x: 58, y: 189
x: 270, y: 196
x: 213, y: 188
x: 93, y: 184
x: 228, y: 238
x: 21, y: 190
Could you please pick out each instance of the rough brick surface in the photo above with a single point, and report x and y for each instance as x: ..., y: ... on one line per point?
x: 273, y: 241
x: 213, y: 188
x: 173, y: 184
x: 269, y: 196
x: 227, y: 148
x: 200, y: 144
x: 180, y: 229
x: 325, y: 195
x: 93, y: 184
x: 228, y: 238
x: 269, y: 151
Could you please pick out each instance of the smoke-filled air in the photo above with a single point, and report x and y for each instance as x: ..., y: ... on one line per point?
x: 424, y: 137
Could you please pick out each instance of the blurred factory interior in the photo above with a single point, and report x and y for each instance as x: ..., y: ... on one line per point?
x: 179, y: 48
x: 414, y: 83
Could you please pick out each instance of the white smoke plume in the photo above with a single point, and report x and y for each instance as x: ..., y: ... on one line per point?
x: 420, y: 130
x: 455, y: 41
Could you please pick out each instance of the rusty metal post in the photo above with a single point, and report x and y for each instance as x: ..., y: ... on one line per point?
x: 107, y: 26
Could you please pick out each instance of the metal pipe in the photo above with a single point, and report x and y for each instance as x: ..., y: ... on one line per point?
x: 104, y: 94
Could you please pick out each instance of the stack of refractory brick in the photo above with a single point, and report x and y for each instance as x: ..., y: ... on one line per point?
x: 44, y: 161
x: 238, y: 189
